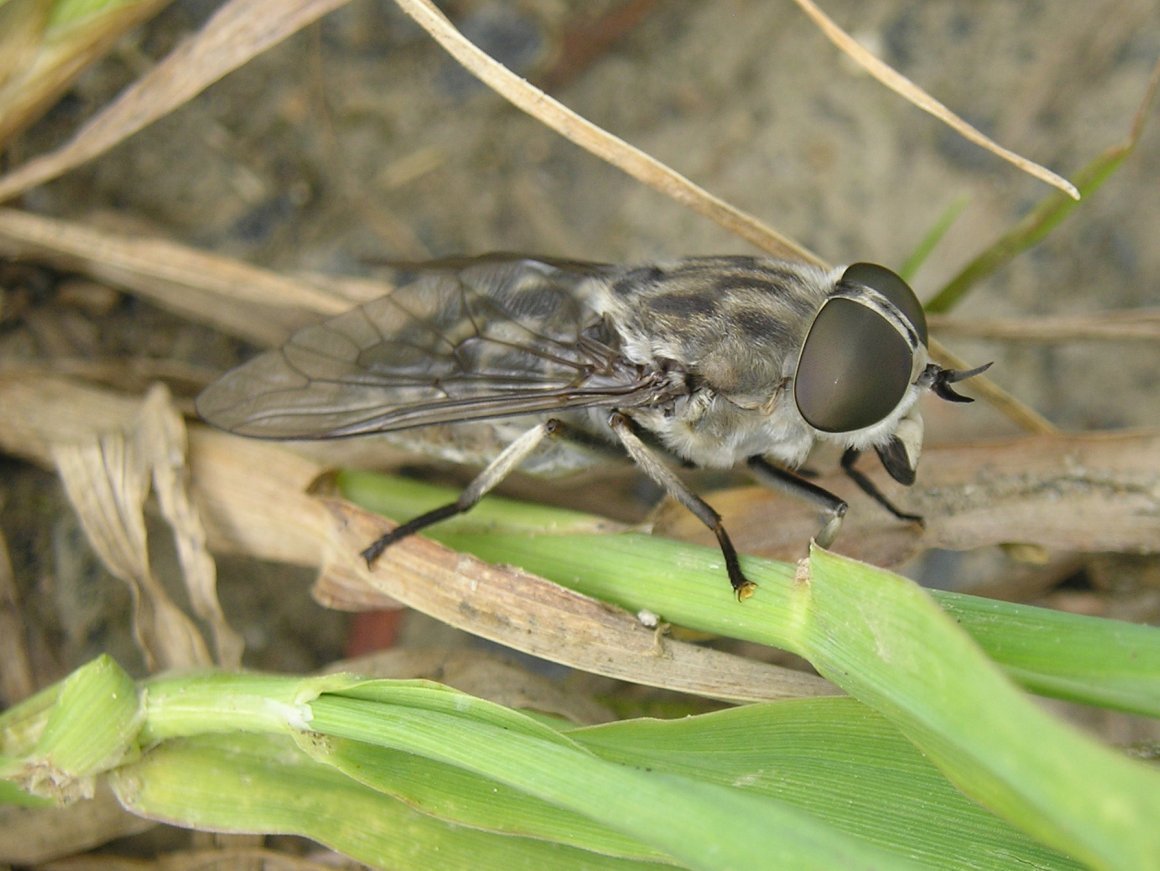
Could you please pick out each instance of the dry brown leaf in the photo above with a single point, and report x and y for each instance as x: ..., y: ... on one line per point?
x: 234, y: 481
x: 237, y: 32
x: 107, y: 484
x: 107, y: 451
x: 161, y: 440
x: 527, y: 613
x: 41, y: 410
x: 252, y: 497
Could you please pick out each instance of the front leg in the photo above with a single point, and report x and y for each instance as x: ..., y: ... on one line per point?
x: 833, y: 508
x: 871, y: 489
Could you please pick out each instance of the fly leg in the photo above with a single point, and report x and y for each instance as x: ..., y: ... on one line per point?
x: 849, y: 458
x: 833, y: 508
x: 494, y: 472
x: 675, y: 487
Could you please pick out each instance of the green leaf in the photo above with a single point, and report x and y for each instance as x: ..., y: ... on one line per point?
x: 263, y: 783
x: 838, y: 760
x: 702, y: 824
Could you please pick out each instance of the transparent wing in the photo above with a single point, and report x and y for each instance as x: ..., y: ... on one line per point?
x: 495, y: 337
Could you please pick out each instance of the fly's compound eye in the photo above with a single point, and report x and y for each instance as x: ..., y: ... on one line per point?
x: 855, y: 364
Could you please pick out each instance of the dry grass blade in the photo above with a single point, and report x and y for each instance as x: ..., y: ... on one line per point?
x: 236, y: 480
x: 636, y: 163
x: 915, y: 95
x: 42, y: 410
x: 239, y: 31
x: 1130, y: 325
x: 525, y: 612
x: 253, y: 499
x: 243, y: 300
x: 1019, y: 413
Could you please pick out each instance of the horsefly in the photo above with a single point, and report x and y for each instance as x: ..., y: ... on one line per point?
x: 711, y: 360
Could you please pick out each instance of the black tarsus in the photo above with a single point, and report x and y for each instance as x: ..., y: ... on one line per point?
x: 404, y: 530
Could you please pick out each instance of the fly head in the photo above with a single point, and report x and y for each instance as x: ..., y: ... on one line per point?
x: 862, y: 364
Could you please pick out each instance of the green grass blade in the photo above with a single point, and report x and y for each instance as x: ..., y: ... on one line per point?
x: 1028, y: 231
x: 765, y: 785
x: 406, y: 498
x: 703, y: 824
x: 836, y: 759
x: 1092, y: 660
x: 882, y: 639
x: 1047, y: 214
x: 935, y: 235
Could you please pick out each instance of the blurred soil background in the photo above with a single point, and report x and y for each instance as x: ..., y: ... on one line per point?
x: 359, y: 140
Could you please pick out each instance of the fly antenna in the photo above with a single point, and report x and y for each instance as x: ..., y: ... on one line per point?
x: 940, y: 380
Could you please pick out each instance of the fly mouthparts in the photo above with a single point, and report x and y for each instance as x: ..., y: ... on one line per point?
x: 940, y: 380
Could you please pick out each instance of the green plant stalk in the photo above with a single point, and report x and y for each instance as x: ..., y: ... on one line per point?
x: 91, y: 726
x: 882, y: 639
x: 206, y: 703
x: 197, y: 769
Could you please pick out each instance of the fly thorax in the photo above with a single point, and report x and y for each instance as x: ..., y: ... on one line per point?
x: 712, y: 431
